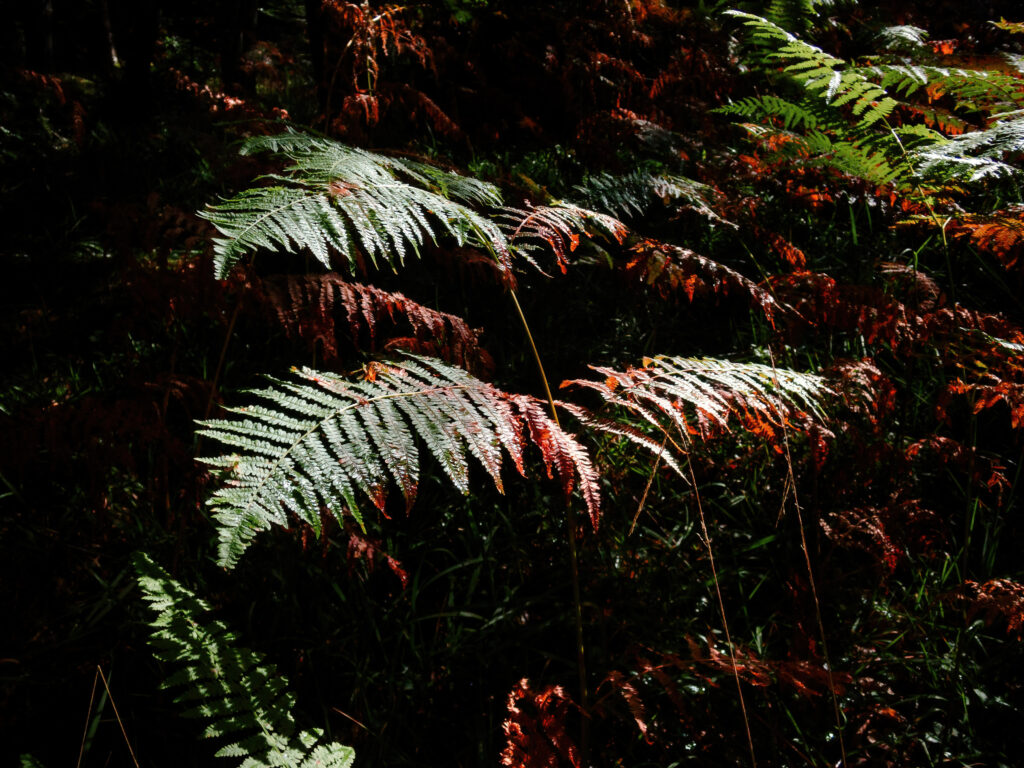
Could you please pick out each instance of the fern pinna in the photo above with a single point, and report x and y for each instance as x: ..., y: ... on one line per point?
x: 243, y: 699
x: 320, y: 443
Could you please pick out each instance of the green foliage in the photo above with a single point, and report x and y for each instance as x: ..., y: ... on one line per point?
x: 818, y: 71
x: 241, y: 698
x: 872, y: 235
x: 975, y: 156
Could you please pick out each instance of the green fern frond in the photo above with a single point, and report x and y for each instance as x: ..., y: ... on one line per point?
x: 682, y: 397
x: 463, y: 189
x: 818, y: 71
x: 349, y: 200
x: 795, y: 15
x: 324, y: 159
x: 792, y: 114
x: 243, y: 699
x: 902, y: 37
x: 317, y: 444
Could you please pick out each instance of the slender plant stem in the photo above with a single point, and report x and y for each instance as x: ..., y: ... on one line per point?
x: 572, y: 525
x: 931, y: 212
x: 810, y: 571
x: 721, y: 609
x: 118, y: 716
x: 220, y: 367
x: 88, y: 714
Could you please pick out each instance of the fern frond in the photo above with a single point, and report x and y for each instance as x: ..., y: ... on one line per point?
x: 902, y: 37
x: 320, y: 308
x: 969, y: 88
x: 631, y: 194
x: 820, y: 72
x: 349, y: 200
x: 671, y: 270
x: 319, y: 443
x: 793, y: 14
x: 685, y: 397
x: 242, y: 698
x: 557, y: 227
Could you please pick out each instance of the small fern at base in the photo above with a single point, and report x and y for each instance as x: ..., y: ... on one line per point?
x: 242, y: 698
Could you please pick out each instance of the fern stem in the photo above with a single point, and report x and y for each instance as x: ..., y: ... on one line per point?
x: 536, y: 356
x: 572, y: 525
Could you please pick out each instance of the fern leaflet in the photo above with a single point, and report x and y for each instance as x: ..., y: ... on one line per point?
x: 240, y: 696
x: 820, y: 72
x: 631, y: 194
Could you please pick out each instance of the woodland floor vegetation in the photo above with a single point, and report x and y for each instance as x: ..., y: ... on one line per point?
x: 474, y: 382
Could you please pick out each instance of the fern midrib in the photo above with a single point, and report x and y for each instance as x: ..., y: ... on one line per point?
x: 319, y: 425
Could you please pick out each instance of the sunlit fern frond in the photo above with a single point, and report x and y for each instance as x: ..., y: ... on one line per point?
x: 318, y: 444
x: 351, y: 201
x: 554, y: 227
x: 631, y: 194
x: 975, y: 156
x: 243, y: 699
x: 904, y: 38
x: 792, y: 115
x: 672, y: 400
x: 462, y: 189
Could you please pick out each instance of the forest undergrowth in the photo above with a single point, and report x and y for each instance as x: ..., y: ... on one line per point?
x: 487, y: 382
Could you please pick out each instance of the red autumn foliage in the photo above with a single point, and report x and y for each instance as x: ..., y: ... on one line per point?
x: 320, y: 308
x: 536, y: 732
x: 996, y: 601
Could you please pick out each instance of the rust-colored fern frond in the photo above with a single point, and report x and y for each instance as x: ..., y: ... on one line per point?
x: 809, y: 679
x: 988, y: 395
x: 677, y: 399
x: 536, y: 733
x: 1000, y: 233
x: 321, y: 308
x: 818, y: 302
x: 626, y: 688
x: 887, y: 533
x: 671, y: 271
